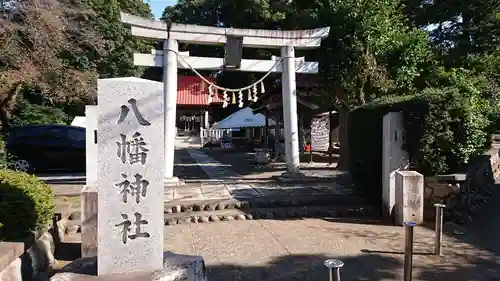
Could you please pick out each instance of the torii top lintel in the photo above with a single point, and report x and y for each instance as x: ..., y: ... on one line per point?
x: 208, y: 35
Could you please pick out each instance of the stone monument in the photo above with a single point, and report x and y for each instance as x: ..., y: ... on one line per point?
x: 130, y: 189
x: 394, y: 159
x: 130, y: 179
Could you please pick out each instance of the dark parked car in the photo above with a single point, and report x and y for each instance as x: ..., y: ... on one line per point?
x: 46, y: 147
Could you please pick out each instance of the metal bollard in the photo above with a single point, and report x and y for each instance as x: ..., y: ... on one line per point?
x: 408, y: 250
x: 334, y: 268
x: 438, y: 237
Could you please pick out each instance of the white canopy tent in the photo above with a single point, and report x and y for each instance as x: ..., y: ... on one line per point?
x: 79, y: 121
x: 242, y: 119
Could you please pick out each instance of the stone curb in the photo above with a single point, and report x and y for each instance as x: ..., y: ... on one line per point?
x: 261, y: 202
x: 266, y: 213
x: 67, y: 224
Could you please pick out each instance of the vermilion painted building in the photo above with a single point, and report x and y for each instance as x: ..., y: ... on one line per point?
x: 193, y: 110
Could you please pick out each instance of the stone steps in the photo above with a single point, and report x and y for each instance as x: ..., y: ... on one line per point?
x: 341, y: 213
x: 262, y: 202
x: 351, y: 212
x: 270, y: 207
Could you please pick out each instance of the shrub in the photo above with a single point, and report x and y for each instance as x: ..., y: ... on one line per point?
x: 26, y: 204
x: 29, y: 113
x: 450, y: 129
x: 445, y: 129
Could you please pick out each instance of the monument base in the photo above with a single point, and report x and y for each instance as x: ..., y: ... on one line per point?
x: 292, y: 177
x: 175, y: 267
x: 173, y: 181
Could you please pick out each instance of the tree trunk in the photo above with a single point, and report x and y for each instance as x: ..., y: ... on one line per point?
x: 4, y: 119
x: 5, y: 107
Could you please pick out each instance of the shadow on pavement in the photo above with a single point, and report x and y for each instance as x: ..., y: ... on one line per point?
x: 309, y: 267
x: 369, y: 267
x: 185, y: 167
x: 484, y: 229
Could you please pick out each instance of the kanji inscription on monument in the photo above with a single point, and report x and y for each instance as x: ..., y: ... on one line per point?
x: 131, y: 176
x: 136, y: 188
x: 134, y: 150
x: 126, y: 226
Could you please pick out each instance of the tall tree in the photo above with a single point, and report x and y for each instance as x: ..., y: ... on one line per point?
x: 458, y: 28
x: 118, y: 61
x: 38, y: 38
x: 54, y: 50
x: 371, y: 49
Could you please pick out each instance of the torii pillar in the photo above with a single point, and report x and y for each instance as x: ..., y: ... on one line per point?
x: 285, y: 40
x: 170, y: 49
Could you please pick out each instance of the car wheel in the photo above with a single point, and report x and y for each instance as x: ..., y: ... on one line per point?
x: 22, y: 165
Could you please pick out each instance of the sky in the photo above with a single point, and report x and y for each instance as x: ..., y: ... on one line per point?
x: 159, y: 5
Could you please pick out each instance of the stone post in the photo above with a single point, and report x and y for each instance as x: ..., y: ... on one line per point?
x: 88, y: 202
x: 409, y: 197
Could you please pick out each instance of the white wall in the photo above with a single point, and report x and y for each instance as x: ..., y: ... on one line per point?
x: 91, y: 115
x: 394, y: 158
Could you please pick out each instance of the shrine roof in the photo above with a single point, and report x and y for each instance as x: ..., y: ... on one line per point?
x: 192, y: 90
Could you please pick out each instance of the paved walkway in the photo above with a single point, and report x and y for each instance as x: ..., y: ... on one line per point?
x: 243, y: 164
x: 250, y: 190
x: 210, y: 179
x: 296, y: 249
x: 213, y: 168
x: 272, y: 250
x: 233, y: 185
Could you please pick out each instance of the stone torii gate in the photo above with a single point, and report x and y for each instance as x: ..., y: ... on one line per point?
x: 286, y: 40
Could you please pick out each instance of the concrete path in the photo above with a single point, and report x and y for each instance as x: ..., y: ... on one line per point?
x: 213, y: 168
x: 243, y: 164
x: 272, y: 250
x: 250, y: 190
x: 296, y: 249
x: 210, y: 179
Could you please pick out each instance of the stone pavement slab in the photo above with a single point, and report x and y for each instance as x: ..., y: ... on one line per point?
x: 240, y: 243
x: 213, y: 168
x: 215, y: 192
x: 296, y: 249
x: 241, y: 190
x: 188, y: 193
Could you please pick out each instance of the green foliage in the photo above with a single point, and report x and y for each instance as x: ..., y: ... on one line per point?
x: 26, y: 204
x: 59, y: 48
x: 29, y: 113
x: 118, y: 61
x: 450, y: 129
x: 445, y: 128
x: 370, y: 48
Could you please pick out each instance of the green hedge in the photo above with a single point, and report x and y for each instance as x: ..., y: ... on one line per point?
x: 26, y: 204
x: 445, y: 129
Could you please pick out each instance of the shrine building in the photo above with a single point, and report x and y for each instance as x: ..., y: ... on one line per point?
x: 193, y: 109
